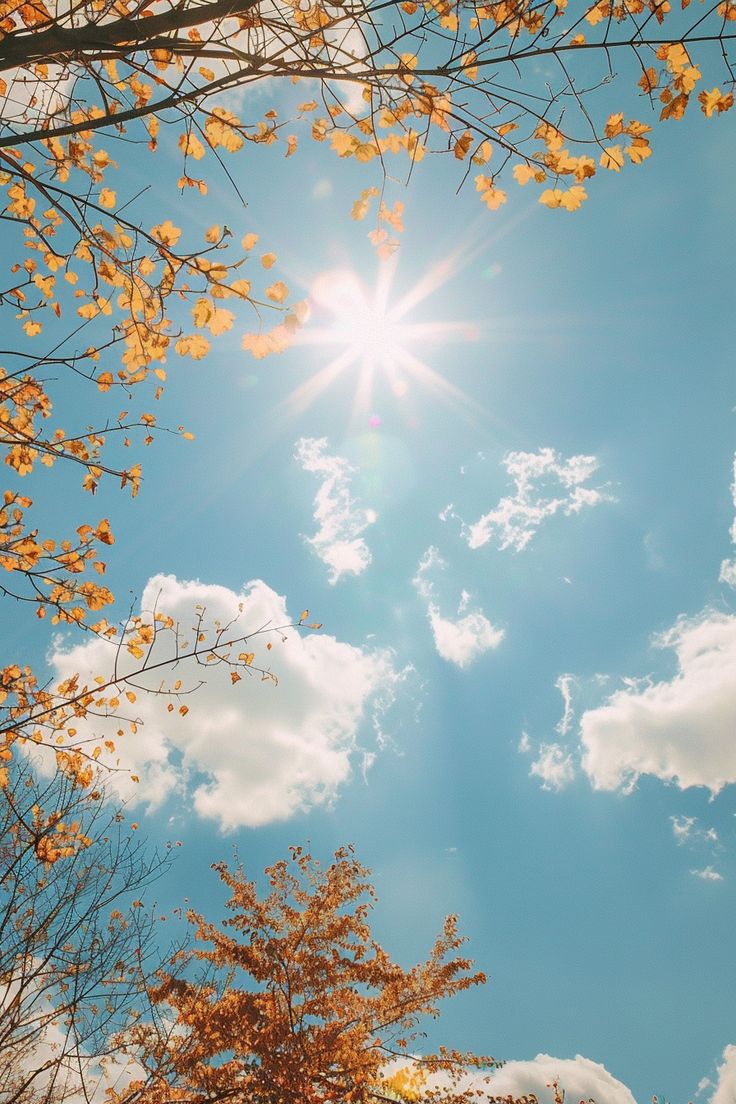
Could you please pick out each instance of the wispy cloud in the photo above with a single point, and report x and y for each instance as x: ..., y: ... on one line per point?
x: 686, y: 830
x: 707, y: 874
x: 554, y: 766
x: 463, y: 639
x: 565, y: 684
x: 545, y: 483
x: 337, y: 542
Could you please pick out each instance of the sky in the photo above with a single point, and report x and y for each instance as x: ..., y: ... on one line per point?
x: 511, y: 506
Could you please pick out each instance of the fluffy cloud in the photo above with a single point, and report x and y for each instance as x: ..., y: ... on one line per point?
x: 337, y: 542
x: 554, y: 766
x: 581, y: 1079
x: 459, y: 641
x: 726, y: 1087
x: 679, y: 729
x: 248, y: 754
x: 545, y: 484
x: 728, y: 567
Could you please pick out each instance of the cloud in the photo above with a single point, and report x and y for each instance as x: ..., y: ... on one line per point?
x: 565, y: 684
x: 248, y: 754
x: 679, y: 729
x: 728, y: 567
x: 707, y: 874
x: 685, y: 830
x: 337, y: 542
x: 545, y: 484
x: 726, y: 1086
x: 581, y: 1078
x: 554, y: 766
x: 459, y: 641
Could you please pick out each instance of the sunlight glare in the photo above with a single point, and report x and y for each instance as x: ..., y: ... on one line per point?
x: 371, y: 332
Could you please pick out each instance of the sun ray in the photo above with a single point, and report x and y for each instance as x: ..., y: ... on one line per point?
x: 376, y: 337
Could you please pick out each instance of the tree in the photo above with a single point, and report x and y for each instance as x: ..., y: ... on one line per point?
x: 295, y: 1002
x: 91, y: 280
x: 76, y: 944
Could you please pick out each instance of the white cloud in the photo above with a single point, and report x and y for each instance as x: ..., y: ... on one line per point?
x: 554, y: 766
x: 459, y: 641
x: 247, y: 754
x: 525, y: 745
x: 545, y: 484
x: 581, y: 1079
x: 685, y: 830
x: 565, y: 684
x: 707, y: 874
x: 337, y: 542
x: 728, y: 567
x: 726, y: 1086
x: 679, y: 729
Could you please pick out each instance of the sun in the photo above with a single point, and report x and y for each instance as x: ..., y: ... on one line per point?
x: 361, y: 323
x: 369, y: 330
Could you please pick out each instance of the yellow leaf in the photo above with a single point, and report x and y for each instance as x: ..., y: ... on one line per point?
x: 213, y: 234
x: 524, y: 173
x: 639, y: 150
x: 492, y: 196
x: 714, y: 102
x: 268, y: 260
x: 343, y: 144
x: 291, y: 144
x: 107, y: 198
x: 219, y: 130
x: 202, y: 312
x: 614, y: 125
x: 166, y: 232
x: 190, y: 146
x: 194, y: 345
x: 249, y: 241
x: 612, y: 158
x: 570, y: 200
x: 221, y: 321
x: 483, y: 154
x: 277, y: 292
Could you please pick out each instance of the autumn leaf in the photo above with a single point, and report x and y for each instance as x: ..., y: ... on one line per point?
x: 277, y: 292
x: 492, y: 196
x: 612, y: 158
x: 714, y: 102
x: 166, y: 232
x: 570, y: 200
x: 195, y: 345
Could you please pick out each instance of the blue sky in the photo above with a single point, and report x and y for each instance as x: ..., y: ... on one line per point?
x: 495, y: 714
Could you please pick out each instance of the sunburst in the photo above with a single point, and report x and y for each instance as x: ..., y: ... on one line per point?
x: 372, y: 333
